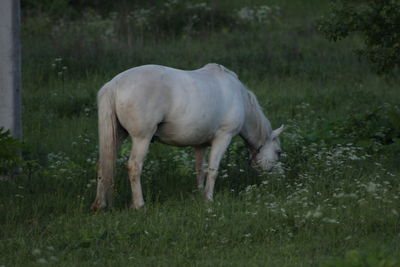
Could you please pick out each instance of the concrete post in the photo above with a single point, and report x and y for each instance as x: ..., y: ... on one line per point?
x: 10, y: 67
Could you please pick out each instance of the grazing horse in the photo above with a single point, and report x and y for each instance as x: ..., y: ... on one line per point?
x: 199, y: 108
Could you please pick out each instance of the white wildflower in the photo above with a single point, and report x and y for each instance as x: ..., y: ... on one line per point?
x: 330, y: 220
x: 41, y: 260
x: 371, y: 187
x: 36, y: 251
x: 247, y: 235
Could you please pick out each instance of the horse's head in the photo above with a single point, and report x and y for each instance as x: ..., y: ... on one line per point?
x: 266, y: 156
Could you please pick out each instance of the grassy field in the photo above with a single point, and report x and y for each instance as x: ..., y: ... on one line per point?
x: 335, y: 202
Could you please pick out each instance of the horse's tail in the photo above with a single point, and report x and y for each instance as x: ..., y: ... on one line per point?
x: 108, y: 138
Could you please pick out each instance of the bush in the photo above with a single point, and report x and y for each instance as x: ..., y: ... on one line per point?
x: 375, y: 128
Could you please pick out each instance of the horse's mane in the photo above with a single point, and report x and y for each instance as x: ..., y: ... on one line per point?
x: 262, y: 126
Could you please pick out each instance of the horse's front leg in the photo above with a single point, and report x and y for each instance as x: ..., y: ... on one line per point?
x: 200, y: 153
x: 218, y: 148
x: 135, y: 165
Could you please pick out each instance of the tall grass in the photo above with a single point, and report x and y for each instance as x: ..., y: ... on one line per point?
x: 335, y: 201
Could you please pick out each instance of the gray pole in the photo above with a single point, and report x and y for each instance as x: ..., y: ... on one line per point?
x: 10, y: 67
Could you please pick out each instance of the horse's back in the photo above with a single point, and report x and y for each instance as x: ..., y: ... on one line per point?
x: 156, y: 77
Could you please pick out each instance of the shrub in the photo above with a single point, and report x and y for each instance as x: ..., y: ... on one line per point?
x: 373, y: 128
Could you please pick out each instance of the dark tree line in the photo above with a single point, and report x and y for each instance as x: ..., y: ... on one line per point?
x: 377, y: 22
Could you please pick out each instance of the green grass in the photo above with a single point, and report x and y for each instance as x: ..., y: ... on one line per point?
x: 335, y: 203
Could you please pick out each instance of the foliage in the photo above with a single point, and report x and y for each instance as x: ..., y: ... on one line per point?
x: 376, y: 21
x: 169, y: 18
x: 48, y: 7
x: 10, y: 157
x: 376, y: 127
x: 176, y: 17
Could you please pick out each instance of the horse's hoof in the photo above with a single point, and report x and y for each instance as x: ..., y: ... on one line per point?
x: 208, y: 197
x: 137, y: 206
x: 96, y: 206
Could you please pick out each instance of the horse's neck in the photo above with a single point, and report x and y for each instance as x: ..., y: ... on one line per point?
x: 256, y: 128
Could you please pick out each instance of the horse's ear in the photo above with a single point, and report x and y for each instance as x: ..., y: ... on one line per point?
x: 277, y: 132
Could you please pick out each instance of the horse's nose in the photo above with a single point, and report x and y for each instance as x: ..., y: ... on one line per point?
x: 279, y: 153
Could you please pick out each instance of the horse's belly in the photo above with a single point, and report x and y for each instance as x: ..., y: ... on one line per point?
x: 176, y: 135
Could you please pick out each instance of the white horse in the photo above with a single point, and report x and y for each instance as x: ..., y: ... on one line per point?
x: 199, y: 108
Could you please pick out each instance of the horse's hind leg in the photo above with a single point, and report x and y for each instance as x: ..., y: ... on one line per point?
x: 135, y: 164
x: 200, y: 153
